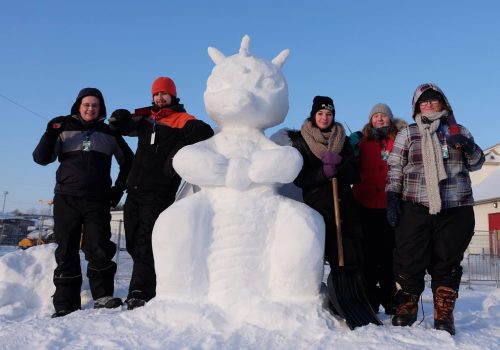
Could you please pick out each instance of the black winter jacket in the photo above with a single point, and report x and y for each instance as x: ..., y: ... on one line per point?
x: 152, y: 170
x: 85, y: 173
x: 317, y: 192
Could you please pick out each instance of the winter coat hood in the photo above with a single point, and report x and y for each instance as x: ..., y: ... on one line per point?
x: 423, y: 88
x: 75, y: 109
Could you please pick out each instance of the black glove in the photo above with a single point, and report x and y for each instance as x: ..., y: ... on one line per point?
x: 115, y: 195
x: 56, y: 126
x: 464, y: 143
x: 393, y: 208
x: 119, y: 119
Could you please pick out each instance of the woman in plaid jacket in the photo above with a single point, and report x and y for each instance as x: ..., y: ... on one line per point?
x: 430, y: 204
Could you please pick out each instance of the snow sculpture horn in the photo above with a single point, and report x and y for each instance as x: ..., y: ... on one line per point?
x: 217, y: 56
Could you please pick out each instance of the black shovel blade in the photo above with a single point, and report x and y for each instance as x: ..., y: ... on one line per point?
x: 347, y: 296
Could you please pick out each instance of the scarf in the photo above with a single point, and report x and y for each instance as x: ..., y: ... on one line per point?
x: 432, y: 156
x: 321, y: 141
x: 381, y: 133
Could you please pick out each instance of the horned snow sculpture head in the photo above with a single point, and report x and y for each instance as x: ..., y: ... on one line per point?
x: 246, y: 91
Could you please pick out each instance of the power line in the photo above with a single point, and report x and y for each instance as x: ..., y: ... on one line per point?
x: 23, y: 107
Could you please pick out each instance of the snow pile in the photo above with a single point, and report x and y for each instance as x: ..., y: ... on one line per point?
x: 19, y: 273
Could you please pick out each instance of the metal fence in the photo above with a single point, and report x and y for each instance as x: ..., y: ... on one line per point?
x: 481, y: 264
x: 12, y: 230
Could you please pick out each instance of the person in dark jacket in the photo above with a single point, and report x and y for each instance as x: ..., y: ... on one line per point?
x: 429, y: 201
x: 327, y: 153
x: 162, y: 130
x: 378, y: 236
x: 84, y: 145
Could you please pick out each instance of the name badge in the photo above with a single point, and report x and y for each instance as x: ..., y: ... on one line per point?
x: 86, y: 146
x: 153, y: 138
x: 446, y: 152
x: 384, y: 154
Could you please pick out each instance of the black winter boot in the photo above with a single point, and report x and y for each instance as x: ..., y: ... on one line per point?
x: 407, y: 309
x: 390, y: 307
x: 107, y: 303
x: 444, y: 303
x: 61, y: 313
x: 134, y: 303
x: 135, y: 299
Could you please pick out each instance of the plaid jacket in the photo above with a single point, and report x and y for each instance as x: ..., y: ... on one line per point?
x: 406, y: 169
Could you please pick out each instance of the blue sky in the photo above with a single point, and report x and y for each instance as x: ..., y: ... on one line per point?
x: 357, y: 52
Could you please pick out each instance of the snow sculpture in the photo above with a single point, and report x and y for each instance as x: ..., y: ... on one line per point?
x: 237, y: 240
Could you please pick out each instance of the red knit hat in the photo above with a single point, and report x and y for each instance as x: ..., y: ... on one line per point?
x: 164, y: 84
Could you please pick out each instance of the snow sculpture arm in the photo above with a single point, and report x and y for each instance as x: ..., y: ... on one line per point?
x: 280, y: 165
x: 238, y: 174
x: 199, y: 164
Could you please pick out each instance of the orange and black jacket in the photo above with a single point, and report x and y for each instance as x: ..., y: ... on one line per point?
x: 173, y: 128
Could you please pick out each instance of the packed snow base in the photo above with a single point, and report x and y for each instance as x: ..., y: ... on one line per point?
x: 25, y: 308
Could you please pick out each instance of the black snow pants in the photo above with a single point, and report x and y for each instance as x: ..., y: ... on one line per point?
x: 435, y: 243
x: 378, y: 249
x: 86, y: 222
x: 140, y: 213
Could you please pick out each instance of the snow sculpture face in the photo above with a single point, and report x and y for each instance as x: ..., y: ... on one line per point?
x: 246, y: 91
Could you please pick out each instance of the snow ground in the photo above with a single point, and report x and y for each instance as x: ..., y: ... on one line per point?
x: 25, y: 309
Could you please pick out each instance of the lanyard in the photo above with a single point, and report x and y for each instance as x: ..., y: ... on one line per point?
x: 383, y: 149
x: 87, y: 144
x: 153, y: 134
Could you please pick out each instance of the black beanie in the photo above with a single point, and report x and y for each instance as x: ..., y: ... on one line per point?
x: 75, y: 109
x: 322, y: 102
x: 430, y: 94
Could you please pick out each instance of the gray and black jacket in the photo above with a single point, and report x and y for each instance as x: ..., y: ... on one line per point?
x: 85, y: 152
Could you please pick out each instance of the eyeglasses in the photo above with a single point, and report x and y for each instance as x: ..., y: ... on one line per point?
x: 429, y: 102
x: 90, y: 105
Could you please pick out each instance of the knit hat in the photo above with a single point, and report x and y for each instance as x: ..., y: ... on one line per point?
x: 322, y: 102
x: 75, y: 109
x: 381, y: 108
x: 164, y: 84
x: 431, y: 91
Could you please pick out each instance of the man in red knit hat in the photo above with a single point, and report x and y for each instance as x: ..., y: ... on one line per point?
x: 162, y: 130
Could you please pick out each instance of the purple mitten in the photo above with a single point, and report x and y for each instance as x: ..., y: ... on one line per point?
x: 329, y: 170
x: 331, y: 158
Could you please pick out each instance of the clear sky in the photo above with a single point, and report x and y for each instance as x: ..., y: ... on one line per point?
x: 357, y: 52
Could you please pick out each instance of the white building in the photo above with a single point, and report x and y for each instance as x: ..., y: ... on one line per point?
x: 486, y: 191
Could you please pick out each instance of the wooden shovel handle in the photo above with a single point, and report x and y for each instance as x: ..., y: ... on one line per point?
x: 336, y: 207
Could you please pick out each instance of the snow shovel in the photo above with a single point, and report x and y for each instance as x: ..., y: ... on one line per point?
x: 346, y: 290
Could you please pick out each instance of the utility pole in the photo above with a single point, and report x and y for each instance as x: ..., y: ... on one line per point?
x: 5, y: 193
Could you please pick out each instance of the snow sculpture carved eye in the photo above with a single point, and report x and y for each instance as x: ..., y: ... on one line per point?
x: 268, y: 83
